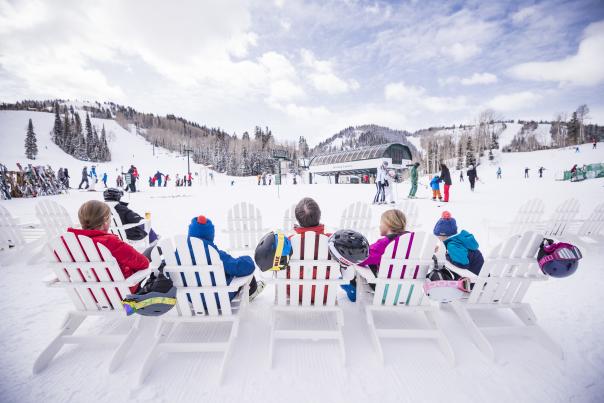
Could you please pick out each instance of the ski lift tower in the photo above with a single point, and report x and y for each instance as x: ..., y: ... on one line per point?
x: 279, y: 156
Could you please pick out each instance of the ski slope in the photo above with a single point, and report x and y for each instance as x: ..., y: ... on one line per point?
x: 569, y: 309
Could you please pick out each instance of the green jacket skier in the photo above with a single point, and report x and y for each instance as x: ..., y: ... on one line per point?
x: 413, y: 180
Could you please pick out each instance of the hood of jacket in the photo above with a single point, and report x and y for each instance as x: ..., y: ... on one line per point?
x: 465, y: 239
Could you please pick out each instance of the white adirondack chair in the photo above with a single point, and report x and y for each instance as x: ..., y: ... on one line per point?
x: 592, y: 228
x: 53, y: 218
x: 528, y: 218
x: 294, y: 287
x: 244, y: 227
x: 563, y: 218
x: 357, y: 216
x: 502, y: 284
x: 95, y: 284
x: 119, y: 228
x: 409, y: 208
x: 398, y: 289
x: 11, y: 237
x: 289, y: 218
x: 198, y: 300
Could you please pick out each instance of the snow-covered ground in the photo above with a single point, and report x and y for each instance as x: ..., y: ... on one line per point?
x: 569, y: 309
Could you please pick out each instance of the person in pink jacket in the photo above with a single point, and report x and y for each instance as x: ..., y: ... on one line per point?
x: 393, y: 224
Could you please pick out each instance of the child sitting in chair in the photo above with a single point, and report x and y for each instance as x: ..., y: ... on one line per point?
x: 461, y: 248
x: 202, y: 228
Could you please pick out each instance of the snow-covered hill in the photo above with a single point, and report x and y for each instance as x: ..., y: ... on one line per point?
x: 126, y: 147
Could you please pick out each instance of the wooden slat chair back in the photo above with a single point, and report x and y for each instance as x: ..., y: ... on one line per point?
x: 202, y: 297
x: 357, y: 216
x: 399, y: 289
x: 411, y: 211
x: 593, y: 226
x: 95, y: 284
x: 528, y: 218
x: 310, y: 284
x: 119, y: 228
x: 53, y: 217
x: 503, y: 282
x: 244, y: 227
x: 289, y: 218
x: 563, y: 218
x: 11, y: 236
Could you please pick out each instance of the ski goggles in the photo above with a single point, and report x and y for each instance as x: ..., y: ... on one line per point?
x: 131, y: 306
x: 560, y: 251
x: 283, y: 249
x: 447, y: 290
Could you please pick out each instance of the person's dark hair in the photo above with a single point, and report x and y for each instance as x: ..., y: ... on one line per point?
x: 308, y: 212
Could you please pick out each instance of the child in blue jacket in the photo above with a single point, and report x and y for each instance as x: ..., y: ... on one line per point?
x: 202, y: 228
x: 435, y: 185
x: 461, y: 248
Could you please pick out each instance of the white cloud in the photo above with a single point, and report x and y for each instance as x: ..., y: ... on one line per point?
x: 286, y: 25
x: 323, y: 78
x: 525, y: 13
x: 474, y: 79
x: 461, y: 52
x: 585, y: 68
x: 514, y: 101
x: 417, y: 98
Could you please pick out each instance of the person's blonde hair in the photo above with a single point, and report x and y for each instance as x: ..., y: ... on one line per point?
x: 93, y: 214
x: 395, y: 220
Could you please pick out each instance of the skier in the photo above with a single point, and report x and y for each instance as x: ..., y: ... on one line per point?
x: 472, y: 176
x: 573, y: 172
x: 158, y: 176
x: 166, y: 180
x: 93, y: 173
x: 66, y: 176
x: 445, y: 176
x: 84, y: 178
x: 263, y: 179
x: 461, y: 176
x: 576, y: 149
x: 595, y: 144
x: 435, y: 185
x: 212, y: 177
x: 388, y: 186
x: 526, y: 172
x: 105, y: 179
x: 60, y: 175
x: 270, y: 179
x: 190, y: 179
x: 379, y: 183
x: 133, y: 173
x: 541, y: 169
x: 413, y: 176
x: 499, y: 173
x: 119, y: 181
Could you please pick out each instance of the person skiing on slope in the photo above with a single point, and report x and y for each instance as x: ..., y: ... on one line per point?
x: 526, y: 172
x: 105, y: 179
x: 595, y: 144
x: 541, y: 169
x: 498, y: 172
x: 413, y: 177
x: 84, y: 178
x: 472, y: 176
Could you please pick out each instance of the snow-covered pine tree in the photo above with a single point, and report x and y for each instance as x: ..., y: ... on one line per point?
x: 57, y: 131
x: 31, y: 146
x: 459, y: 164
x: 75, y: 136
x: 96, y: 147
x: 106, y: 153
x: 470, y: 158
x: 66, y: 135
x: 90, y: 144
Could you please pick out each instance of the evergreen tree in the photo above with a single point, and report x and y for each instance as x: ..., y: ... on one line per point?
x: 90, y: 144
x: 75, y: 138
x: 66, y: 136
x: 81, y: 151
x: 31, y: 146
x: 573, y: 128
x: 470, y: 158
x: 459, y: 164
x: 106, y: 154
x: 57, y: 130
x: 96, y: 146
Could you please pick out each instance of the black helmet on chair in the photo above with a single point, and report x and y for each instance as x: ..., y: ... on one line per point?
x: 273, y: 252
x: 348, y: 247
x: 112, y: 194
x: 156, y: 297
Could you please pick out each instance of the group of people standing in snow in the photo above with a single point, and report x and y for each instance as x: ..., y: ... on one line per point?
x: 444, y: 176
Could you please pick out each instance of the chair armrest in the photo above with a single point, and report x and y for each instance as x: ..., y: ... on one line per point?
x: 138, y: 277
x: 366, y: 273
x: 136, y: 224
x: 240, y: 281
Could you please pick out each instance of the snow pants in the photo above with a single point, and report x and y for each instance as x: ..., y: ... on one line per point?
x: 413, y: 189
x: 447, y: 192
x: 379, y: 196
x: 84, y: 180
x: 436, y: 194
x: 472, y: 182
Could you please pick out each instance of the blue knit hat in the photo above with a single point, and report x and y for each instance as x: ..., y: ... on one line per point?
x: 202, y: 228
x: 446, y: 226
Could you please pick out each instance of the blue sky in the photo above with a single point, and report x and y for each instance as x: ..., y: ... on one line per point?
x: 310, y: 67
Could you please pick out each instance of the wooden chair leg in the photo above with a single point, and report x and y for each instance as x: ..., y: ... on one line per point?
x: 227, y: 353
x: 72, y: 322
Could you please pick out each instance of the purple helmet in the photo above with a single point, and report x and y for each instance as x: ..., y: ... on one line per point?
x: 558, y: 259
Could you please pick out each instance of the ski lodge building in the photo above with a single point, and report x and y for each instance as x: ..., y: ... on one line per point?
x: 352, y: 166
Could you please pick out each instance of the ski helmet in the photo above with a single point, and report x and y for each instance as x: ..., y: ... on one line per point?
x: 112, y: 194
x: 273, y: 252
x: 348, y: 247
x: 156, y: 297
x: 558, y: 259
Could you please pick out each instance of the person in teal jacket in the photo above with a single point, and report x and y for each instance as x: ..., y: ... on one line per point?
x: 413, y: 176
x: 461, y: 248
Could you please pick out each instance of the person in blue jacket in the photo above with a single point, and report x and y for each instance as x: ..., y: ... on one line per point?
x: 202, y: 228
x: 461, y: 248
x: 435, y: 186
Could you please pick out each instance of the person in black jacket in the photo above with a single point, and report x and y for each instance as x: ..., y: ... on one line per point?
x: 445, y: 176
x: 84, y: 178
x: 128, y: 216
x: 472, y: 176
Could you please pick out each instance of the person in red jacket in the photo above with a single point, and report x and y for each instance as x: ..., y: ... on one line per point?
x: 95, y: 218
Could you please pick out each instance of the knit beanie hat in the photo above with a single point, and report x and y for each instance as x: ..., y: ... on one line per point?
x: 202, y: 228
x: 446, y: 226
